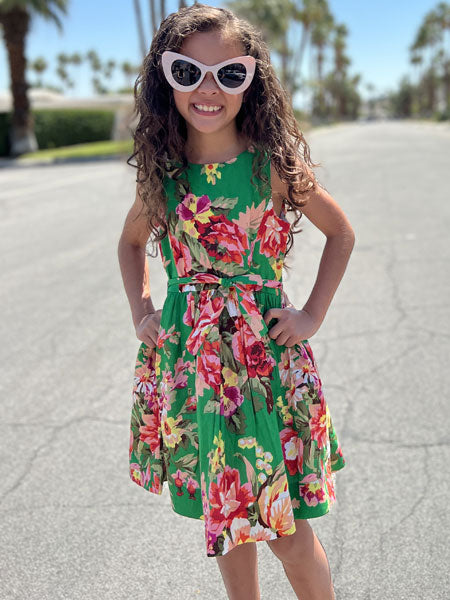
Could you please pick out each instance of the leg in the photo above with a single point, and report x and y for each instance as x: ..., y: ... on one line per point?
x: 305, y: 562
x: 239, y: 569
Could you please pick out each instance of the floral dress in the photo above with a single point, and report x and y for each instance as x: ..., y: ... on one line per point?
x: 236, y: 424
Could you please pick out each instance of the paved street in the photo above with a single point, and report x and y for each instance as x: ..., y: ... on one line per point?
x: 74, y: 526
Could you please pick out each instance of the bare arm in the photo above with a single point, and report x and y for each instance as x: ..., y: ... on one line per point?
x: 133, y: 262
x: 322, y: 210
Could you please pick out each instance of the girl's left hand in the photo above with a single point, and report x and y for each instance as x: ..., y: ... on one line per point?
x: 293, y: 325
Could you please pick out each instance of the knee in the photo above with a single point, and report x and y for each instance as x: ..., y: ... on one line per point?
x: 285, y: 549
x: 291, y: 549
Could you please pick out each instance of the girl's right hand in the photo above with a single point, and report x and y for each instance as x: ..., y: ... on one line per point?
x: 147, y: 329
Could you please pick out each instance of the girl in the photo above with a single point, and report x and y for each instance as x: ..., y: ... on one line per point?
x: 228, y: 405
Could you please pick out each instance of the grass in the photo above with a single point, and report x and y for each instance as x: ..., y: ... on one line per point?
x: 91, y: 150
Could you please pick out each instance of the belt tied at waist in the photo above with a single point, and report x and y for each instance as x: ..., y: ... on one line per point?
x: 235, y: 292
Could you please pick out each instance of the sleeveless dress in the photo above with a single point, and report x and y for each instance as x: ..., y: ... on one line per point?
x: 236, y: 424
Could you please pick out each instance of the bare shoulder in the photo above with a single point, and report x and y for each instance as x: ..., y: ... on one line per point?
x: 320, y: 208
x: 135, y: 229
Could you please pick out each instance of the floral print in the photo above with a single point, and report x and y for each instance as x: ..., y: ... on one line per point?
x: 236, y: 425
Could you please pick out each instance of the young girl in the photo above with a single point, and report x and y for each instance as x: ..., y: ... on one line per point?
x: 228, y: 405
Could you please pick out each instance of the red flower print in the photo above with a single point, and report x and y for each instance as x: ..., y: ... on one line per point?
x: 191, y: 486
x: 150, y: 432
x: 210, y: 309
x: 179, y: 479
x: 223, y: 239
x: 258, y: 363
x: 156, y: 485
x: 273, y: 235
x: 318, y: 423
x: 229, y: 500
x: 191, y: 403
x: 312, y: 490
x: 138, y: 475
x: 182, y: 256
x: 292, y: 446
x: 209, y: 365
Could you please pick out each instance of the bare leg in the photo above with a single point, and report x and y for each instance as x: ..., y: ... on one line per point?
x: 305, y: 563
x: 239, y: 570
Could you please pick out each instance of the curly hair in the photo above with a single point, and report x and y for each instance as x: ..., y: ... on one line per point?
x: 266, y: 118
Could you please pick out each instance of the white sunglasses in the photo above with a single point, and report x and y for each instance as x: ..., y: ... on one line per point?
x: 185, y: 74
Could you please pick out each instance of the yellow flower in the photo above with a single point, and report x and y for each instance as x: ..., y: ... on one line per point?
x: 230, y: 377
x: 211, y: 172
x: 171, y: 433
x: 219, y: 442
x: 218, y: 456
x: 278, y: 268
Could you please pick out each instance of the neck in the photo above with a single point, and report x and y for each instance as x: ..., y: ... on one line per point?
x: 213, y: 147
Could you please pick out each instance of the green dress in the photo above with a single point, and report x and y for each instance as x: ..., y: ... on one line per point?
x: 236, y: 424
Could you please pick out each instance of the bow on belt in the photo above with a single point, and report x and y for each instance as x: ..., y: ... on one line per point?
x: 234, y: 291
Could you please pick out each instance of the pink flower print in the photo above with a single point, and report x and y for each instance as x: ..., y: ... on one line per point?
x: 312, y: 490
x: 191, y: 486
x: 224, y: 240
x: 229, y: 500
x: 318, y: 423
x: 194, y: 211
x: 179, y: 479
x: 230, y: 399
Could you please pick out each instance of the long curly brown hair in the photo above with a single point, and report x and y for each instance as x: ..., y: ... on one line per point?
x: 266, y: 118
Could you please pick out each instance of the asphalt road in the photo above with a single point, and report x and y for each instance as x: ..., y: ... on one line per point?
x: 74, y: 526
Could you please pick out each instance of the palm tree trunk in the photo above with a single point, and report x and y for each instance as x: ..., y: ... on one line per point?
x: 297, y: 59
x: 140, y: 26
x: 153, y: 16
x: 15, y: 28
x: 163, y: 9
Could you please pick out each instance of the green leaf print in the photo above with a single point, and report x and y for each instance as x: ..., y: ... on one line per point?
x: 199, y: 256
x: 226, y: 352
x: 212, y: 406
x: 229, y: 269
x: 253, y: 513
x: 186, y: 462
x: 236, y: 423
x: 301, y: 419
x: 225, y: 203
x: 248, y: 390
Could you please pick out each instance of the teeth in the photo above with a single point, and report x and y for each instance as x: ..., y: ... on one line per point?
x: 207, y: 108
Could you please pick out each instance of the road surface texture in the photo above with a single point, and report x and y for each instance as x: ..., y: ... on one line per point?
x: 74, y: 526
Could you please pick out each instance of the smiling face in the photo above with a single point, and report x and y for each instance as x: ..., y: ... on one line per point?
x: 210, y: 48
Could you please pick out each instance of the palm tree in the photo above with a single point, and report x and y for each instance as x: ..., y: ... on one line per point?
x: 15, y: 17
x: 273, y: 20
x: 320, y: 36
x: 310, y: 12
x: 431, y: 35
x: 153, y: 16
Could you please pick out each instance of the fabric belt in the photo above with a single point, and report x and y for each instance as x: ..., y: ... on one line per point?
x: 235, y: 292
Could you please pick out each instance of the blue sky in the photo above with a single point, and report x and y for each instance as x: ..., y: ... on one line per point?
x: 379, y: 36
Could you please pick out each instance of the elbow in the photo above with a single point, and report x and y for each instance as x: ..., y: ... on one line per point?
x: 346, y: 235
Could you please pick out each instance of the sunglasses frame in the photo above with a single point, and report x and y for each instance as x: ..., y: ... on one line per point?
x: 168, y: 58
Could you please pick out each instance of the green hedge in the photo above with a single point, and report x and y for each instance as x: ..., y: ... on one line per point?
x: 63, y: 127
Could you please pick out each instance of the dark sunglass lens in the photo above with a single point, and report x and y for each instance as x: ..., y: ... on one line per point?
x: 232, y: 76
x: 185, y: 73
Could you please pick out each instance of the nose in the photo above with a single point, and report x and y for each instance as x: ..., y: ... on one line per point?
x: 208, y: 85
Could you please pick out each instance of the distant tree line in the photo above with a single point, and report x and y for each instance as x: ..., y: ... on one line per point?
x: 288, y: 26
